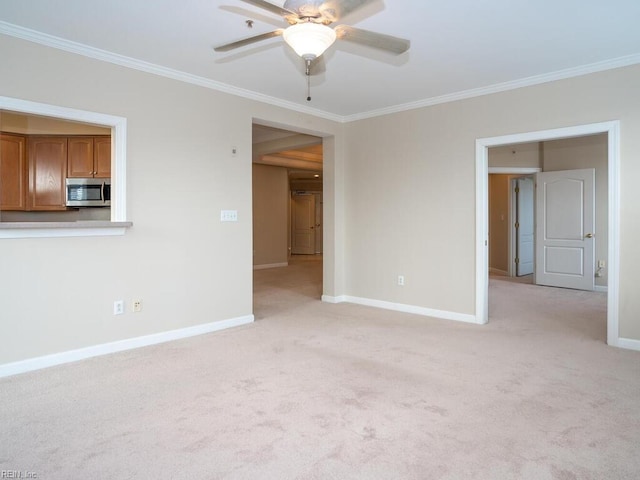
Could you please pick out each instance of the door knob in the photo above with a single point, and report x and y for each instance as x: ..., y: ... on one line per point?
x: 589, y: 235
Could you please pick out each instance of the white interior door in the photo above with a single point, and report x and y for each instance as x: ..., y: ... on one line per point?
x: 303, y: 224
x: 318, y: 200
x: 565, y: 211
x: 525, y: 224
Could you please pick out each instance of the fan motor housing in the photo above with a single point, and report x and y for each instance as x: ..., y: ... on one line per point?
x: 311, y: 10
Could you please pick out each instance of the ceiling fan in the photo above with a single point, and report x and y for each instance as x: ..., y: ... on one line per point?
x: 309, y: 33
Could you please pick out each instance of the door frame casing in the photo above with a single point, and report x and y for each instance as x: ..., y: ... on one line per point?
x: 612, y: 129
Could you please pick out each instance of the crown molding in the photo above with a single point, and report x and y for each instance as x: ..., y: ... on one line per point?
x: 106, y: 56
x: 147, y: 67
x: 501, y: 87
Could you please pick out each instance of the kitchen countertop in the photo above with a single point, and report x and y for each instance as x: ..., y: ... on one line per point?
x: 78, y: 224
x: 84, y: 228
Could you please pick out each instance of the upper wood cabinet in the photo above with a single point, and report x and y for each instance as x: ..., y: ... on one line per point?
x: 102, y: 157
x: 89, y: 157
x: 80, y: 157
x: 47, y: 173
x: 13, y: 172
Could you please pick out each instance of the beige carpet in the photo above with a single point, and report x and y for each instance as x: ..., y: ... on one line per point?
x: 320, y: 391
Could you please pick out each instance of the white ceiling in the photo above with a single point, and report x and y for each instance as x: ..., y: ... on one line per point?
x: 459, y: 48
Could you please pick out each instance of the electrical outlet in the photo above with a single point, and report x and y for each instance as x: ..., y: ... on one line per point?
x: 401, y: 280
x: 118, y: 307
x: 137, y: 305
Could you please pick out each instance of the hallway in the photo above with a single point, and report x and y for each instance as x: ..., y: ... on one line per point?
x: 277, y: 289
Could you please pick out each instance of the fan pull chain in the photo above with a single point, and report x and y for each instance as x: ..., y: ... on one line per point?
x: 308, y: 73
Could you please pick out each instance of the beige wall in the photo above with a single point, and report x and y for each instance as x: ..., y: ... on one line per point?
x: 499, y: 222
x: 399, y: 199
x: 521, y: 155
x: 409, y: 197
x: 270, y: 215
x: 585, y: 152
x: 410, y: 188
x: 186, y: 266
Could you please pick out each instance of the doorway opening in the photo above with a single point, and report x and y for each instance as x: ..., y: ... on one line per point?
x: 288, y: 217
x: 511, y: 210
x: 569, y: 246
x: 611, y: 129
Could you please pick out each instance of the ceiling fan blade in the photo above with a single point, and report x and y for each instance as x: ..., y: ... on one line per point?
x: 372, y: 39
x: 248, y: 41
x: 271, y: 7
x: 336, y: 9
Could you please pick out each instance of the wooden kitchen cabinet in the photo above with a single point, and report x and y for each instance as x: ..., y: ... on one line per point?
x: 89, y: 157
x: 13, y: 172
x: 80, y: 157
x: 102, y: 157
x: 47, y: 173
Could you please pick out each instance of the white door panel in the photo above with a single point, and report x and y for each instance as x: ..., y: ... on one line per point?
x: 303, y: 224
x: 525, y: 231
x: 564, y: 260
x: 565, y: 211
x: 564, y: 221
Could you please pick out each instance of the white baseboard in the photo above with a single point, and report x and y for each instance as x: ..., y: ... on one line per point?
x: 46, y: 361
x: 270, y: 265
x: 400, y: 307
x: 497, y: 271
x: 599, y: 288
x: 329, y: 299
x: 628, y: 343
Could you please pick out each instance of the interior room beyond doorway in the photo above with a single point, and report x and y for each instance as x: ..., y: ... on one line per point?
x: 287, y: 199
x: 512, y: 238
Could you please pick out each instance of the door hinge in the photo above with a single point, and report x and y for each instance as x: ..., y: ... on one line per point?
x: 517, y: 189
x: 517, y: 261
x: 517, y: 225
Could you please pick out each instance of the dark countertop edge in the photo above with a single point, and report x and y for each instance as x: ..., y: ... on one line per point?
x: 57, y: 225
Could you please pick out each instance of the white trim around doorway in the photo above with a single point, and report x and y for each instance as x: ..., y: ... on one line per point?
x: 612, y: 129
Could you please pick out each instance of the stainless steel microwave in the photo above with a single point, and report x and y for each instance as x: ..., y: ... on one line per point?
x: 88, y: 192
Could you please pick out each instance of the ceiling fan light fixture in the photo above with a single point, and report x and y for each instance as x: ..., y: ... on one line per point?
x: 308, y: 39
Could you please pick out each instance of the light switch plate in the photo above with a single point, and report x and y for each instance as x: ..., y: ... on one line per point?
x: 228, y: 215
